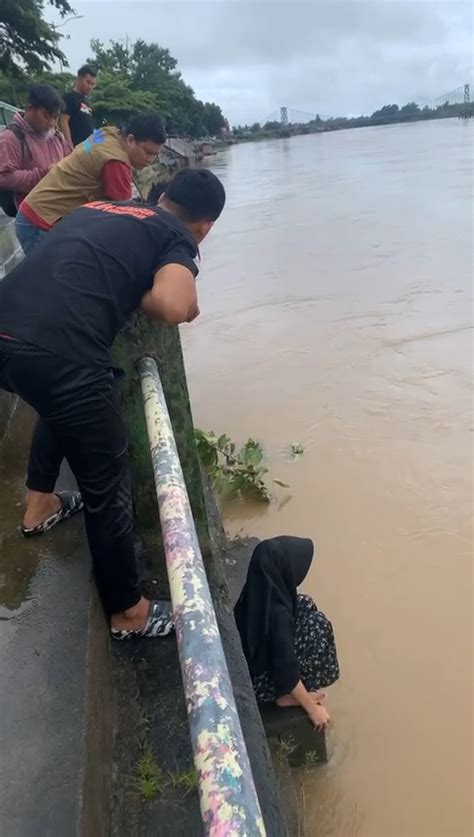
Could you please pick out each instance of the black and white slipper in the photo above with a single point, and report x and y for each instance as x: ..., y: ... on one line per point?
x: 71, y: 503
x: 159, y: 623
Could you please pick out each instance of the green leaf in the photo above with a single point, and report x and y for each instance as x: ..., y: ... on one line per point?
x: 233, y: 474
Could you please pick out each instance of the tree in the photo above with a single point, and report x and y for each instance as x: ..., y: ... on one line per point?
x: 410, y: 109
x: 114, y: 101
x: 272, y: 126
x: 139, y: 75
x: 390, y: 111
x: 214, y: 119
x: 27, y: 42
x: 15, y: 89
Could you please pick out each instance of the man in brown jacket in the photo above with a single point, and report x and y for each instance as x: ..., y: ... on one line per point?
x: 98, y: 168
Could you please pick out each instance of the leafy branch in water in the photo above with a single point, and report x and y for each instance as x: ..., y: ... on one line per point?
x: 234, y: 472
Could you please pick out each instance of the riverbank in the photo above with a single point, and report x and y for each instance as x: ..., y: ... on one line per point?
x: 277, y: 130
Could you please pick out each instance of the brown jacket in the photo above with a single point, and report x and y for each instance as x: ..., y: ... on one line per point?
x: 77, y: 178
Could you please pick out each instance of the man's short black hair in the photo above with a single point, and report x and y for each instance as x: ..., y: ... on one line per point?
x: 156, y: 192
x: 147, y: 126
x: 198, y: 193
x: 87, y: 70
x: 44, y: 96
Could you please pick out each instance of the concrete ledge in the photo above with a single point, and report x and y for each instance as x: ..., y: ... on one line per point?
x: 152, y: 721
x: 55, y: 700
x: 292, y: 727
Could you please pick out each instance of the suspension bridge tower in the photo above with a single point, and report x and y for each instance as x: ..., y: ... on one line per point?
x: 467, y: 94
x: 284, y: 116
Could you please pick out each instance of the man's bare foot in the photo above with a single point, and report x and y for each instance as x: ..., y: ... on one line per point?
x: 39, y: 507
x: 133, y: 619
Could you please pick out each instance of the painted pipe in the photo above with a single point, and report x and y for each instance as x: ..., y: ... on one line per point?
x: 228, y: 799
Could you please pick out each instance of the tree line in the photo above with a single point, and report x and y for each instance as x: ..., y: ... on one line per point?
x: 388, y: 114
x: 131, y: 77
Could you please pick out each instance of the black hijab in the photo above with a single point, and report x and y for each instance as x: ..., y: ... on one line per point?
x: 266, y: 609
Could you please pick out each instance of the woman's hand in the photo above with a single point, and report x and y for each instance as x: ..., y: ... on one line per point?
x: 319, y: 716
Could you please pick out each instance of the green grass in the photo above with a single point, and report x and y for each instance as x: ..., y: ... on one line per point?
x: 149, y: 778
x: 288, y: 746
x: 186, y: 780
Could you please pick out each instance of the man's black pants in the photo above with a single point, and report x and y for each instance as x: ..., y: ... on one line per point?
x: 80, y: 420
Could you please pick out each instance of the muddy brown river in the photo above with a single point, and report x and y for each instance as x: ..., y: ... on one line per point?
x: 336, y: 312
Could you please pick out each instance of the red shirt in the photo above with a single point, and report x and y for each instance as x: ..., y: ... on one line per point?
x: 117, y: 181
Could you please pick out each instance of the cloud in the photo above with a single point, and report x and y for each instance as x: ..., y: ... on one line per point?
x: 335, y: 57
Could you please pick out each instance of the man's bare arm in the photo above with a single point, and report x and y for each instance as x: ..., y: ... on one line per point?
x: 173, y: 297
x: 64, y: 125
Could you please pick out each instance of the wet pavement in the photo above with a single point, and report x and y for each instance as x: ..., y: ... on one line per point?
x: 46, y: 624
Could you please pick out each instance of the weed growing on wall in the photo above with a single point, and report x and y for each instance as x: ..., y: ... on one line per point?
x: 234, y: 472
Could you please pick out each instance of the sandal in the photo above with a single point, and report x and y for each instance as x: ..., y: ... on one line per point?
x: 159, y: 623
x: 71, y: 503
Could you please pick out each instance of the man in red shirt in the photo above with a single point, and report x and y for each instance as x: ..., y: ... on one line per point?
x: 100, y: 167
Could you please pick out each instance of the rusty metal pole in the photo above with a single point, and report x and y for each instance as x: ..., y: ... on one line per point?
x: 229, y: 803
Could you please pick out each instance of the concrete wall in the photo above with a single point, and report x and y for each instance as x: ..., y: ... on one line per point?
x: 140, y: 338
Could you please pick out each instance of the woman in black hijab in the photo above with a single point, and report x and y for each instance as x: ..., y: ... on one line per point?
x: 288, y: 643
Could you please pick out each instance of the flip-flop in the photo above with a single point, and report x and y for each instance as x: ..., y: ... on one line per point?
x: 71, y: 503
x: 159, y: 623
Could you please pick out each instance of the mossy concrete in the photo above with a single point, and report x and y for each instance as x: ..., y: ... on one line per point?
x: 157, y: 687
x: 141, y: 338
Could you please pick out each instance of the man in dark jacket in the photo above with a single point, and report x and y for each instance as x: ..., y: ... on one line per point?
x: 60, y: 310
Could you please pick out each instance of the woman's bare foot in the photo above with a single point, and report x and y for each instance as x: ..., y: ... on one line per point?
x: 289, y: 700
x: 318, y: 697
x: 39, y: 507
x: 133, y: 619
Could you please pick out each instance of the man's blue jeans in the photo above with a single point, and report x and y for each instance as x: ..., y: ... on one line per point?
x: 27, y: 234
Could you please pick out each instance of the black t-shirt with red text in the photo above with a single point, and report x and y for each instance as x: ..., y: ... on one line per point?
x: 79, y: 111
x: 82, y: 282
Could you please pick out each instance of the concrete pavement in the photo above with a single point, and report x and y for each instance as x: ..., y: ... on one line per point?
x: 55, y: 693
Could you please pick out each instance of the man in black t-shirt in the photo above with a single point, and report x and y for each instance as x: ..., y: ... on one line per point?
x: 76, y: 121
x: 60, y: 310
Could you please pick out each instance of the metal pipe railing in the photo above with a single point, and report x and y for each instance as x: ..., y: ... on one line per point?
x: 228, y: 799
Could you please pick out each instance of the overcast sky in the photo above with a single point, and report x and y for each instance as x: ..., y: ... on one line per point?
x: 333, y: 58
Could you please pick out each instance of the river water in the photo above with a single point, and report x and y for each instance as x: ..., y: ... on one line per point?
x: 336, y: 308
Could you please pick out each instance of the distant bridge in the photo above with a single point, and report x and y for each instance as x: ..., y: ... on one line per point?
x: 291, y: 116
x: 458, y: 96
